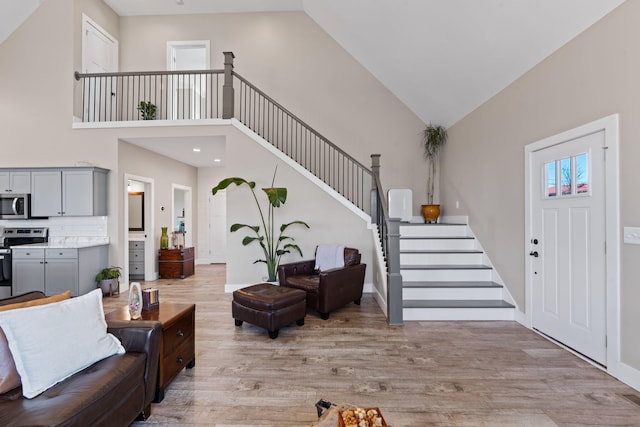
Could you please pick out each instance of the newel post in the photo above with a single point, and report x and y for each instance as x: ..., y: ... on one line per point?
x: 227, y: 88
x: 375, y: 169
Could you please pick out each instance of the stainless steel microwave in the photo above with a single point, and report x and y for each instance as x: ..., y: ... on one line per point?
x: 15, y: 206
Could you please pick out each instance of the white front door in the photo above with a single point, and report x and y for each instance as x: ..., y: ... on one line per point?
x: 99, y: 55
x: 568, y: 255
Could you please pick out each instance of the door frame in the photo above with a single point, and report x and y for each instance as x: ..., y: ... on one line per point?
x: 609, y: 125
x: 150, y: 273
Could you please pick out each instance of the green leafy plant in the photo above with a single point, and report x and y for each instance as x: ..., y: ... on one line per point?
x: 108, y: 273
x: 433, y: 138
x: 273, y: 247
x: 147, y: 110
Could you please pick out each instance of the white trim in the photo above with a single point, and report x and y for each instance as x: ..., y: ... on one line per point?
x: 149, y: 123
x: 609, y: 125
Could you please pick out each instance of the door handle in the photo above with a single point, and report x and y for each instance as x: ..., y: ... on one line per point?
x: 534, y: 254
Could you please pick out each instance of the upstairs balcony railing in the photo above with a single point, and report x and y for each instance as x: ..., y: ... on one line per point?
x: 221, y: 94
x: 224, y: 94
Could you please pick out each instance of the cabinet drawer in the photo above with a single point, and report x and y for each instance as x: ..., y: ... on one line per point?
x: 133, y: 245
x: 177, y: 358
x: 136, y: 268
x: 178, y: 333
x: 28, y: 254
x: 136, y: 256
x: 61, y: 253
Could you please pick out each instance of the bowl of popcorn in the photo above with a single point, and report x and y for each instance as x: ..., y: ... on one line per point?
x: 361, y: 417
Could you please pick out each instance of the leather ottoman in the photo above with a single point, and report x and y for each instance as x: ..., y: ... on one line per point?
x: 269, y: 306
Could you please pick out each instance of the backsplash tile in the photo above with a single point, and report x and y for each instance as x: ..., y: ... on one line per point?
x: 69, y: 230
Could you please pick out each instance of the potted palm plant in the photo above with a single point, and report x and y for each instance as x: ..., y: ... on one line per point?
x: 108, y: 280
x: 433, y: 138
x: 273, y: 246
x: 147, y: 110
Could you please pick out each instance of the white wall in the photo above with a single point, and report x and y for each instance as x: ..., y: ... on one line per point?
x: 593, y: 76
x: 330, y: 222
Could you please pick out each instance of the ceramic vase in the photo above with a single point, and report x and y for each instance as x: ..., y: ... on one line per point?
x: 135, y: 300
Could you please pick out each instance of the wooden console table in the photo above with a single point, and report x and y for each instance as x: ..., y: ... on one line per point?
x: 177, y: 348
x: 176, y: 263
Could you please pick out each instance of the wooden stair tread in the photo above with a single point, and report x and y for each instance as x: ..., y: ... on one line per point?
x: 456, y: 304
x: 459, y: 284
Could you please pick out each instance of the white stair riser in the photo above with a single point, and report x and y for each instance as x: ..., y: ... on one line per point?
x: 417, y: 314
x: 440, y: 259
x: 433, y: 231
x: 452, y: 293
x: 436, y: 244
x: 446, y: 275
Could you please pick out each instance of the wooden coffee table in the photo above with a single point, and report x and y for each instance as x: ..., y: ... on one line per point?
x: 177, y: 348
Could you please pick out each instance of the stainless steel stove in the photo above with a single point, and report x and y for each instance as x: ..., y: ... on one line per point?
x: 16, y: 236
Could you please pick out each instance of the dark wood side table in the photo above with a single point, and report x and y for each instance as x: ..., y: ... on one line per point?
x: 177, y: 348
x: 176, y: 263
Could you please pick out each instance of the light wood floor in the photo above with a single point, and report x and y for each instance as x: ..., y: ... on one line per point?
x: 419, y: 374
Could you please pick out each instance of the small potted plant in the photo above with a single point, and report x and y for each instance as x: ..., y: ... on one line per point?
x: 433, y: 138
x: 108, y: 280
x: 147, y: 110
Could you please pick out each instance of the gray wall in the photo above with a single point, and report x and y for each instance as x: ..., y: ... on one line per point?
x: 595, y: 75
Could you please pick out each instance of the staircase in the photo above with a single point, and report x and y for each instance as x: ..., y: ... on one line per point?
x: 447, y: 276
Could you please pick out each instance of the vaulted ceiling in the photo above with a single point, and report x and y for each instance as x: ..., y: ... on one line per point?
x: 442, y: 58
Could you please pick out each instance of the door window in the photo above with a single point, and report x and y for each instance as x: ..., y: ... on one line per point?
x: 567, y: 177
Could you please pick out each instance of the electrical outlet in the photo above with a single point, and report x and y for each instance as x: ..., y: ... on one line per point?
x: 632, y: 235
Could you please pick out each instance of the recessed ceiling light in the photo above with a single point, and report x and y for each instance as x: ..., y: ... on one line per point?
x: 179, y: 2
x: 197, y: 150
x: 217, y: 160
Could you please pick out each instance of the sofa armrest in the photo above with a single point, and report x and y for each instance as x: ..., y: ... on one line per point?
x: 340, y: 286
x: 141, y: 336
x: 295, y: 268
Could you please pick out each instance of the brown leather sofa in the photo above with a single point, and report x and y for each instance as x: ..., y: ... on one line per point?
x: 113, y: 392
x: 326, y: 290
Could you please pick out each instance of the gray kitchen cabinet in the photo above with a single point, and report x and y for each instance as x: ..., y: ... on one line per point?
x: 61, y: 271
x: 15, y: 181
x: 28, y: 270
x: 69, y: 192
x: 136, y: 260
x: 56, y: 270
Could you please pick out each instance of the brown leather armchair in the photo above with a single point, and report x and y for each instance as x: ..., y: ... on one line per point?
x: 326, y: 290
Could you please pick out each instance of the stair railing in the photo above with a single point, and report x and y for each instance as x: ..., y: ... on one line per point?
x: 302, y: 143
x: 389, y: 233
x: 211, y: 94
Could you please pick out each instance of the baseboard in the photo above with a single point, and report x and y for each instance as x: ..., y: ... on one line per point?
x: 628, y: 375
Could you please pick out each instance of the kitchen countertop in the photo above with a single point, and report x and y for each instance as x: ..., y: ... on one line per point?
x: 58, y: 245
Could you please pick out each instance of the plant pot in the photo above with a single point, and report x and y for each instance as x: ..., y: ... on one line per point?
x: 109, y: 287
x: 430, y: 213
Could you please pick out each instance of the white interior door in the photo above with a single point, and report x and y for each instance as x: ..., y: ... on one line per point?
x: 568, y: 252
x: 99, y: 55
x: 188, y: 91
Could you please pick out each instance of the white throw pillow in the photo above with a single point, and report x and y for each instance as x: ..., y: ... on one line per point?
x: 52, y: 342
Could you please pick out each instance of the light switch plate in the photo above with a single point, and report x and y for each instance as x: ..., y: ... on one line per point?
x: 632, y: 235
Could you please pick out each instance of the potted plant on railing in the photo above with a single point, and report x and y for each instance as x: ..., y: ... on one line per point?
x: 108, y: 280
x: 273, y: 247
x: 147, y: 110
x: 433, y: 138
